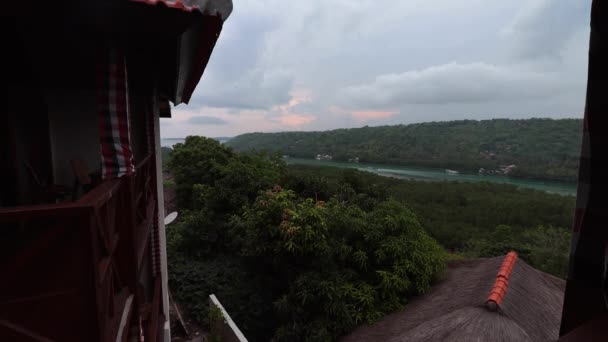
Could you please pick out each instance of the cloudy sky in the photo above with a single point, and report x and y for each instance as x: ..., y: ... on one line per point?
x: 324, y: 64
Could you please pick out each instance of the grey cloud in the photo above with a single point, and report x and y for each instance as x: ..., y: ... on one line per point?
x: 543, y: 27
x: 451, y: 83
x: 255, y: 89
x: 236, y: 77
x: 206, y: 120
x: 546, y: 57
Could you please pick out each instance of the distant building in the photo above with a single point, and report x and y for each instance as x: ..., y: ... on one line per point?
x: 507, y: 169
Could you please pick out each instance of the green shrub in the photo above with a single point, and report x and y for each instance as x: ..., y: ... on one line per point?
x: 243, y: 294
x: 545, y: 248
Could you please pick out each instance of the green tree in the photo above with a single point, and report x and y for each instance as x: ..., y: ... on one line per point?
x: 214, y: 183
x: 339, y: 265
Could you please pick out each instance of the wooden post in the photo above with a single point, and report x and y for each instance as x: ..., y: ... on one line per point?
x: 162, y: 241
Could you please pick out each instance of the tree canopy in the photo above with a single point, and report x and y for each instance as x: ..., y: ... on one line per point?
x: 286, y: 266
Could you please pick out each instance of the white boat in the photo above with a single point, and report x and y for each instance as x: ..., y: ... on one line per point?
x: 451, y: 172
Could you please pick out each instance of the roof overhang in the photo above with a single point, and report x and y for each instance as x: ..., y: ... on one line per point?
x: 172, y: 39
x: 197, y: 25
x: 221, y: 8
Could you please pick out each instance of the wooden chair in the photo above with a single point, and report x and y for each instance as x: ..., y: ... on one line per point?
x: 46, y: 193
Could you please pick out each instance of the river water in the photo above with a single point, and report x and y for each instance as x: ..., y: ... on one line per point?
x: 417, y: 173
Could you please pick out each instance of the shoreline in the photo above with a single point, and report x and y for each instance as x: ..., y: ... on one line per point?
x: 434, y: 175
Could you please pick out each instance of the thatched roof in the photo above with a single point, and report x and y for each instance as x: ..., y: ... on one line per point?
x: 453, y: 310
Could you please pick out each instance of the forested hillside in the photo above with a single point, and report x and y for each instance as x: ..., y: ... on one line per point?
x: 540, y: 148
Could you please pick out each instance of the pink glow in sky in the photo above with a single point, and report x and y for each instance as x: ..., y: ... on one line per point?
x: 277, y: 118
x: 373, y: 115
x: 295, y: 120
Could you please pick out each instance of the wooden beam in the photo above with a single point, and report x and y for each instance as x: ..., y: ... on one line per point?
x: 153, y: 323
x: 144, y: 231
x: 124, y: 320
x: 23, y: 331
x: 47, y: 211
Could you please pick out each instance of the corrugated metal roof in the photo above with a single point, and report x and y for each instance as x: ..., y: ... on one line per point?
x: 223, y: 8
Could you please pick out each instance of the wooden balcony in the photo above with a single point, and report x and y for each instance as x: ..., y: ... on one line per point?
x: 83, y: 271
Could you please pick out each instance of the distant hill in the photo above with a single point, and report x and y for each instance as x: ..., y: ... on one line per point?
x: 539, y: 148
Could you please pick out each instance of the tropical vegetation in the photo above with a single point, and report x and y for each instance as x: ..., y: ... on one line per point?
x: 306, y: 253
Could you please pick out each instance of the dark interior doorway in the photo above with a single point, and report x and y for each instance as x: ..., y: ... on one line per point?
x: 25, y: 153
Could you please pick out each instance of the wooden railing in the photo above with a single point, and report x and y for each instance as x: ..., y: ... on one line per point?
x: 222, y: 326
x: 144, y: 187
x: 91, y: 251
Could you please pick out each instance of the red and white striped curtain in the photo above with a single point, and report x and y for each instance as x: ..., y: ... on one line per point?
x: 113, y: 109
